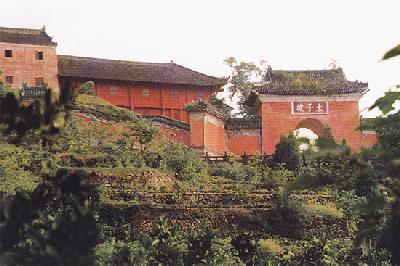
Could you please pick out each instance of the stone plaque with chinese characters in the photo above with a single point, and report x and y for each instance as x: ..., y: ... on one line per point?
x: 315, y: 107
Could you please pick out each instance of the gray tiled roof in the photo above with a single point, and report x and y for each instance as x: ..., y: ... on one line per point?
x: 25, y: 36
x: 168, y: 73
x: 309, y: 82
x: 243, y: 123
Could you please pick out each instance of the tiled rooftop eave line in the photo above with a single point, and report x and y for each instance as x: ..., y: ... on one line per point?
x: 242, y: 123
x: 122, y: 118
x: 167, y: 121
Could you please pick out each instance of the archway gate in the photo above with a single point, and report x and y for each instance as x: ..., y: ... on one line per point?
x: 308, y: 99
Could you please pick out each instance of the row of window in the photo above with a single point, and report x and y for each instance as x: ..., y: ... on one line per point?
x: 10, y: 80
x: 38, y: 55
x: 174, y: 94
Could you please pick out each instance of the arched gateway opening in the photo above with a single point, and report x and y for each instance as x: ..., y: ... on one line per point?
x: 310, y: 129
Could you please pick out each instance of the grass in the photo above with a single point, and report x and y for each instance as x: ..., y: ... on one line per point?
x: 271, y: 246
x: 101, y: 105
x: 329, y: 209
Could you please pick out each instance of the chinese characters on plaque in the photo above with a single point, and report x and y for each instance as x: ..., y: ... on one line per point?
x: 310, y: 107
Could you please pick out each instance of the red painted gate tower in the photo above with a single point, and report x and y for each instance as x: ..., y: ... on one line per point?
x: 310, y: 99
x: 284, y: 102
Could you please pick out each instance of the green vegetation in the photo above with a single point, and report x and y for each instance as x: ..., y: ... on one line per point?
x: 82, y: 191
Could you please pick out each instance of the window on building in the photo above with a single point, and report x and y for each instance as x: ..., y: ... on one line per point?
x: 39, y: 55
x: 146, y: 93
x: 8, y: 53
x: 9, y: 79
x: 39, y: 81
x: 201, y: 95
x: 113, y: 90
x: 174, y: 95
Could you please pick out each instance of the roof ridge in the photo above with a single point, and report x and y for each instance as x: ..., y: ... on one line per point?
x: 221, y: 78
x: 22, y: 30
x: 111, y: 60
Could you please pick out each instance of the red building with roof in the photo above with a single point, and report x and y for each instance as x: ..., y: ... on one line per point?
x: 146, y: 88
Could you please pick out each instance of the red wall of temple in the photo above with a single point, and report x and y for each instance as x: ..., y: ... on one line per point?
x: 25, y: 68
x: 244, y: 140
x: 169, y: 133
x: 368, y: 138
x: 150, y: 99
x: 214, y: 134
x: 277, y: 120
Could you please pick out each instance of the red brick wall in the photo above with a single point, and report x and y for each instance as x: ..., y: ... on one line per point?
x: 148, y: 98
x: 214, y: 135
x: 368, y: 138
x: 23, y: 66
x: 244, y: 140
x: 277, y: 119
x: 197, y: 130
x: 169, y: 133
x: 207, y: 133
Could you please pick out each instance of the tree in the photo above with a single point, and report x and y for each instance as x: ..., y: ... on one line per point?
x: 221, y: 106
x: 326, y: 141
x: 243, y: 77
x: 287, y: 152
x: 143, y: 132
x: 54, y: 225
x: 165, y: 244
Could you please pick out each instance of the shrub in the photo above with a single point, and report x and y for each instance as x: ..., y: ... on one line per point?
x: 286, y: 218
x: 326, y: 141
x: 246, y: 247
x: 180, y: 160
x: 337, y: 169
x: 200, y: 247
x: 234, y: 171
x: 366, y: 181
x: 54, y: 225
x: 116, y: 252
x: 165, y: 244
x: 287, y: 152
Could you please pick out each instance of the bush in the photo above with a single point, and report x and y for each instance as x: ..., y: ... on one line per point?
x: 234, y: 171
x: 116, y: 252
x: 337, y: 169
x: 366, y: 181
x: 180, y: 160
x: 54, y: 225
x: 246, y: 247
x: 286, y: 218
x: 287, y: 153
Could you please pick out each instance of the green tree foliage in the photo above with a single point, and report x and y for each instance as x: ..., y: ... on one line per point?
x: 241, y: 82
x: 246, y: 247
x: 180, y: 160
x: 165, y: 243
x: 326, y: 141
x: 287, y: 152
x: 200, y: 247
x: 54, y: 225
x: 20, y: 119
x: 395, y: 51
x: 144, y: 132
x: 220, y: 105
x: 17, y: 170
x: 288, y: 213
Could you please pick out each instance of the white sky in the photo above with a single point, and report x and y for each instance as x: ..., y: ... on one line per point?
x: 201, y: 34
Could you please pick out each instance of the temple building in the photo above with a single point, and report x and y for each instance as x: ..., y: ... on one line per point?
x: 174, y: 97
